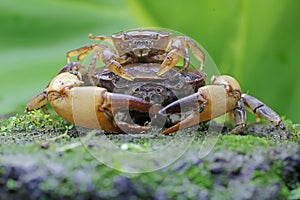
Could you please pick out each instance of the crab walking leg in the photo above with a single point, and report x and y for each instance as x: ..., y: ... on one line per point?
x: 103, y: 53
x: 81, y: 52
x: 186, y: 60
x: 240, y: 116
x: 209, y: 102
x: 100, y: 37
x: 177, y: 51
x: 92, y: 107
x: 108, y: 57
x: 262, y: 111
x: 179, y: 48
x: 39, y: 101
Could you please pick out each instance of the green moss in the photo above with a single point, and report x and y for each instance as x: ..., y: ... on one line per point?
x: 243, y: 144
x: 11, y: 184
x: 293, y: 129
x: 34, y: 121
x: 66, y: 169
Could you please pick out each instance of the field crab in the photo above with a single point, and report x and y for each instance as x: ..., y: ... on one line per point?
x: 140, y: 87
x: 139, y: 46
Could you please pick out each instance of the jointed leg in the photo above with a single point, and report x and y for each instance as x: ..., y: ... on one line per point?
x: 108, y: 57
x: 100, y: 38
x: 179, y: 49
x: 240, y: 117
x: 199, y: 54
x: 102, y: 53
x: 186, y: 61
x: 81, y: 52
x: 40, y: 100
x: 263, y: 111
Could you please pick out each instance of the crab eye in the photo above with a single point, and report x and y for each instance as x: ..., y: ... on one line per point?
x: 155, y: 36
x: 125, y: 36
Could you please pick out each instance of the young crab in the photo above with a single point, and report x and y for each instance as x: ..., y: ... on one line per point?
x: 139, y: 46
x: 176, y: 99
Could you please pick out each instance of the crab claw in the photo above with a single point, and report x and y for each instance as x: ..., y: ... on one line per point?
x: 179, y: 49
x: 93, y: 107
x: 37, y: 102
x: 40, y: 100
x: 170, y: 61
x: 189, y: 107
x: 209, y: 102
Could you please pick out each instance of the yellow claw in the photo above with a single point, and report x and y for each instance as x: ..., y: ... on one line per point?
x: 93, y: 107
x: 179, y: 49
x: 38, y: 101
x: 208, y: 103
x: 117, y: 68
x: 170, y: 61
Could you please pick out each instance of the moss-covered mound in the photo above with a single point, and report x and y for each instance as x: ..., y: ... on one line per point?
x: 43, y: 158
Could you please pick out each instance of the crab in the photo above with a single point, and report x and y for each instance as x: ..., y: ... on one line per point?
x: 115, y: 104
x: 139, y: 46
x: 177, y: 99
x: 141, y: 87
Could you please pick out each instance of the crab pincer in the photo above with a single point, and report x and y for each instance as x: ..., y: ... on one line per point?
x: 93, y: 107
x: 209, y: 102
x: 179, y: 49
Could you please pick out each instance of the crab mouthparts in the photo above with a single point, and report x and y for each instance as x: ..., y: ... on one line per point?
x: 141, y: 52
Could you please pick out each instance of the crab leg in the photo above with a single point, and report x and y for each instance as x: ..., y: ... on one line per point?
x: 209, y: 102
x: 84, y: 51
x: 81, y: 52
x: 107, y: 56
x: 239, y: 113
x: 40, y: 100
x: 93, y: 107
x: 262, y: 111
x: 102, y: 53
x: 37, y: 102
x: 100, y: 37
x: 179, y: 49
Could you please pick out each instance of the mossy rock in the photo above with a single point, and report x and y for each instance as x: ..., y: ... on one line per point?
x: 42, y: 157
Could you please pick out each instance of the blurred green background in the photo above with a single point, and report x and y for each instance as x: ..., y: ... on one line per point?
x: 255, y: 41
